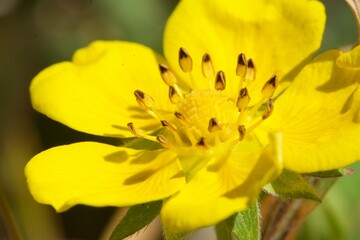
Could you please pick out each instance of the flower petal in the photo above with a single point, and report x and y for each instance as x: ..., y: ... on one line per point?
x: 102, y: 175
x: 227, y: 185
x: 319, y: 116
x: 95, y: 92
x: 350, y: 59
x: 277, y: 34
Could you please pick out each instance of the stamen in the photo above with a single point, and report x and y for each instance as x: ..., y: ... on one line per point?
x: 214, y: 125
x: 145, y: 101
x: 242, y: 132
x: 137, y: 132
x: 270, y: 86
x: 140, y: 133
x: 161, y: 139
x: 250, y: 71
x: 255, y: 108
x: 243, y: 99
x: 173, y: 95
x: 179, y: 116
x: 167, y: 76
x: 201, y: 143
x: 269, y: 109
x: 207, y: 66
x: 185, y: 60
x: 241, y: 65
x: 220, y: 82
x: 166, y: 124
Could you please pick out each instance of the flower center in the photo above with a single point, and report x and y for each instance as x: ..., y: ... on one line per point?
x: 211, y: 115
x: 208, y: 117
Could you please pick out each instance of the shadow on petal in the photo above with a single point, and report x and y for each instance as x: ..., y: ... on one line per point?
x: 145, y: 157
x: 356, y: 117
x: 139, y: 177
x: 117, y: 157
x: 339, y: 78
x: 348, y: 103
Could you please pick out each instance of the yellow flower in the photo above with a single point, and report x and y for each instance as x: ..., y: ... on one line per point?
x: 220, y: 108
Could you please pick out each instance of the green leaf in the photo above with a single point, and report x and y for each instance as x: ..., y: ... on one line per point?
x: 174, y: 235
x: 292, y: 185
x: 332, y: 173
x: 135, y: 219
x: 224, y: 229
x: 242, y: 225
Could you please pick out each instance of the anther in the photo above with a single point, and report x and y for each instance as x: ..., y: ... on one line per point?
x: 250, y: 71
x: 270, y: 86
x: 137, y: 132
x: 179, y: 116
x: 173, y: 95
x: 243, y: 99
x: 201, y: 143
x: 167, y: 76
x: 220, y: 82
x: 161, y: 139
x: 214, y: 125
x: 241, y: 65
x: 185, y: 60
x: 145, y: 101
x: 207, y: 66
x: 269, y: 109
x: 242, y: 132
x: 166, y: 124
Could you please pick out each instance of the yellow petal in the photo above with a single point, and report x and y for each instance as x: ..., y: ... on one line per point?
x: 95, y: 92
x: 102, y: 175
x: 227, y: 185
x: 350, y: 59
x: 319, y: 116
x: 277, y: 34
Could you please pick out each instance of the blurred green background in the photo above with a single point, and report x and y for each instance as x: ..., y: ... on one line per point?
x: 37, y: 33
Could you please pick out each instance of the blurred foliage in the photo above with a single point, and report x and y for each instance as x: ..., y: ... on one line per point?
x: 338, y: 216
x: 341, y: 28
x: 37, y: 33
